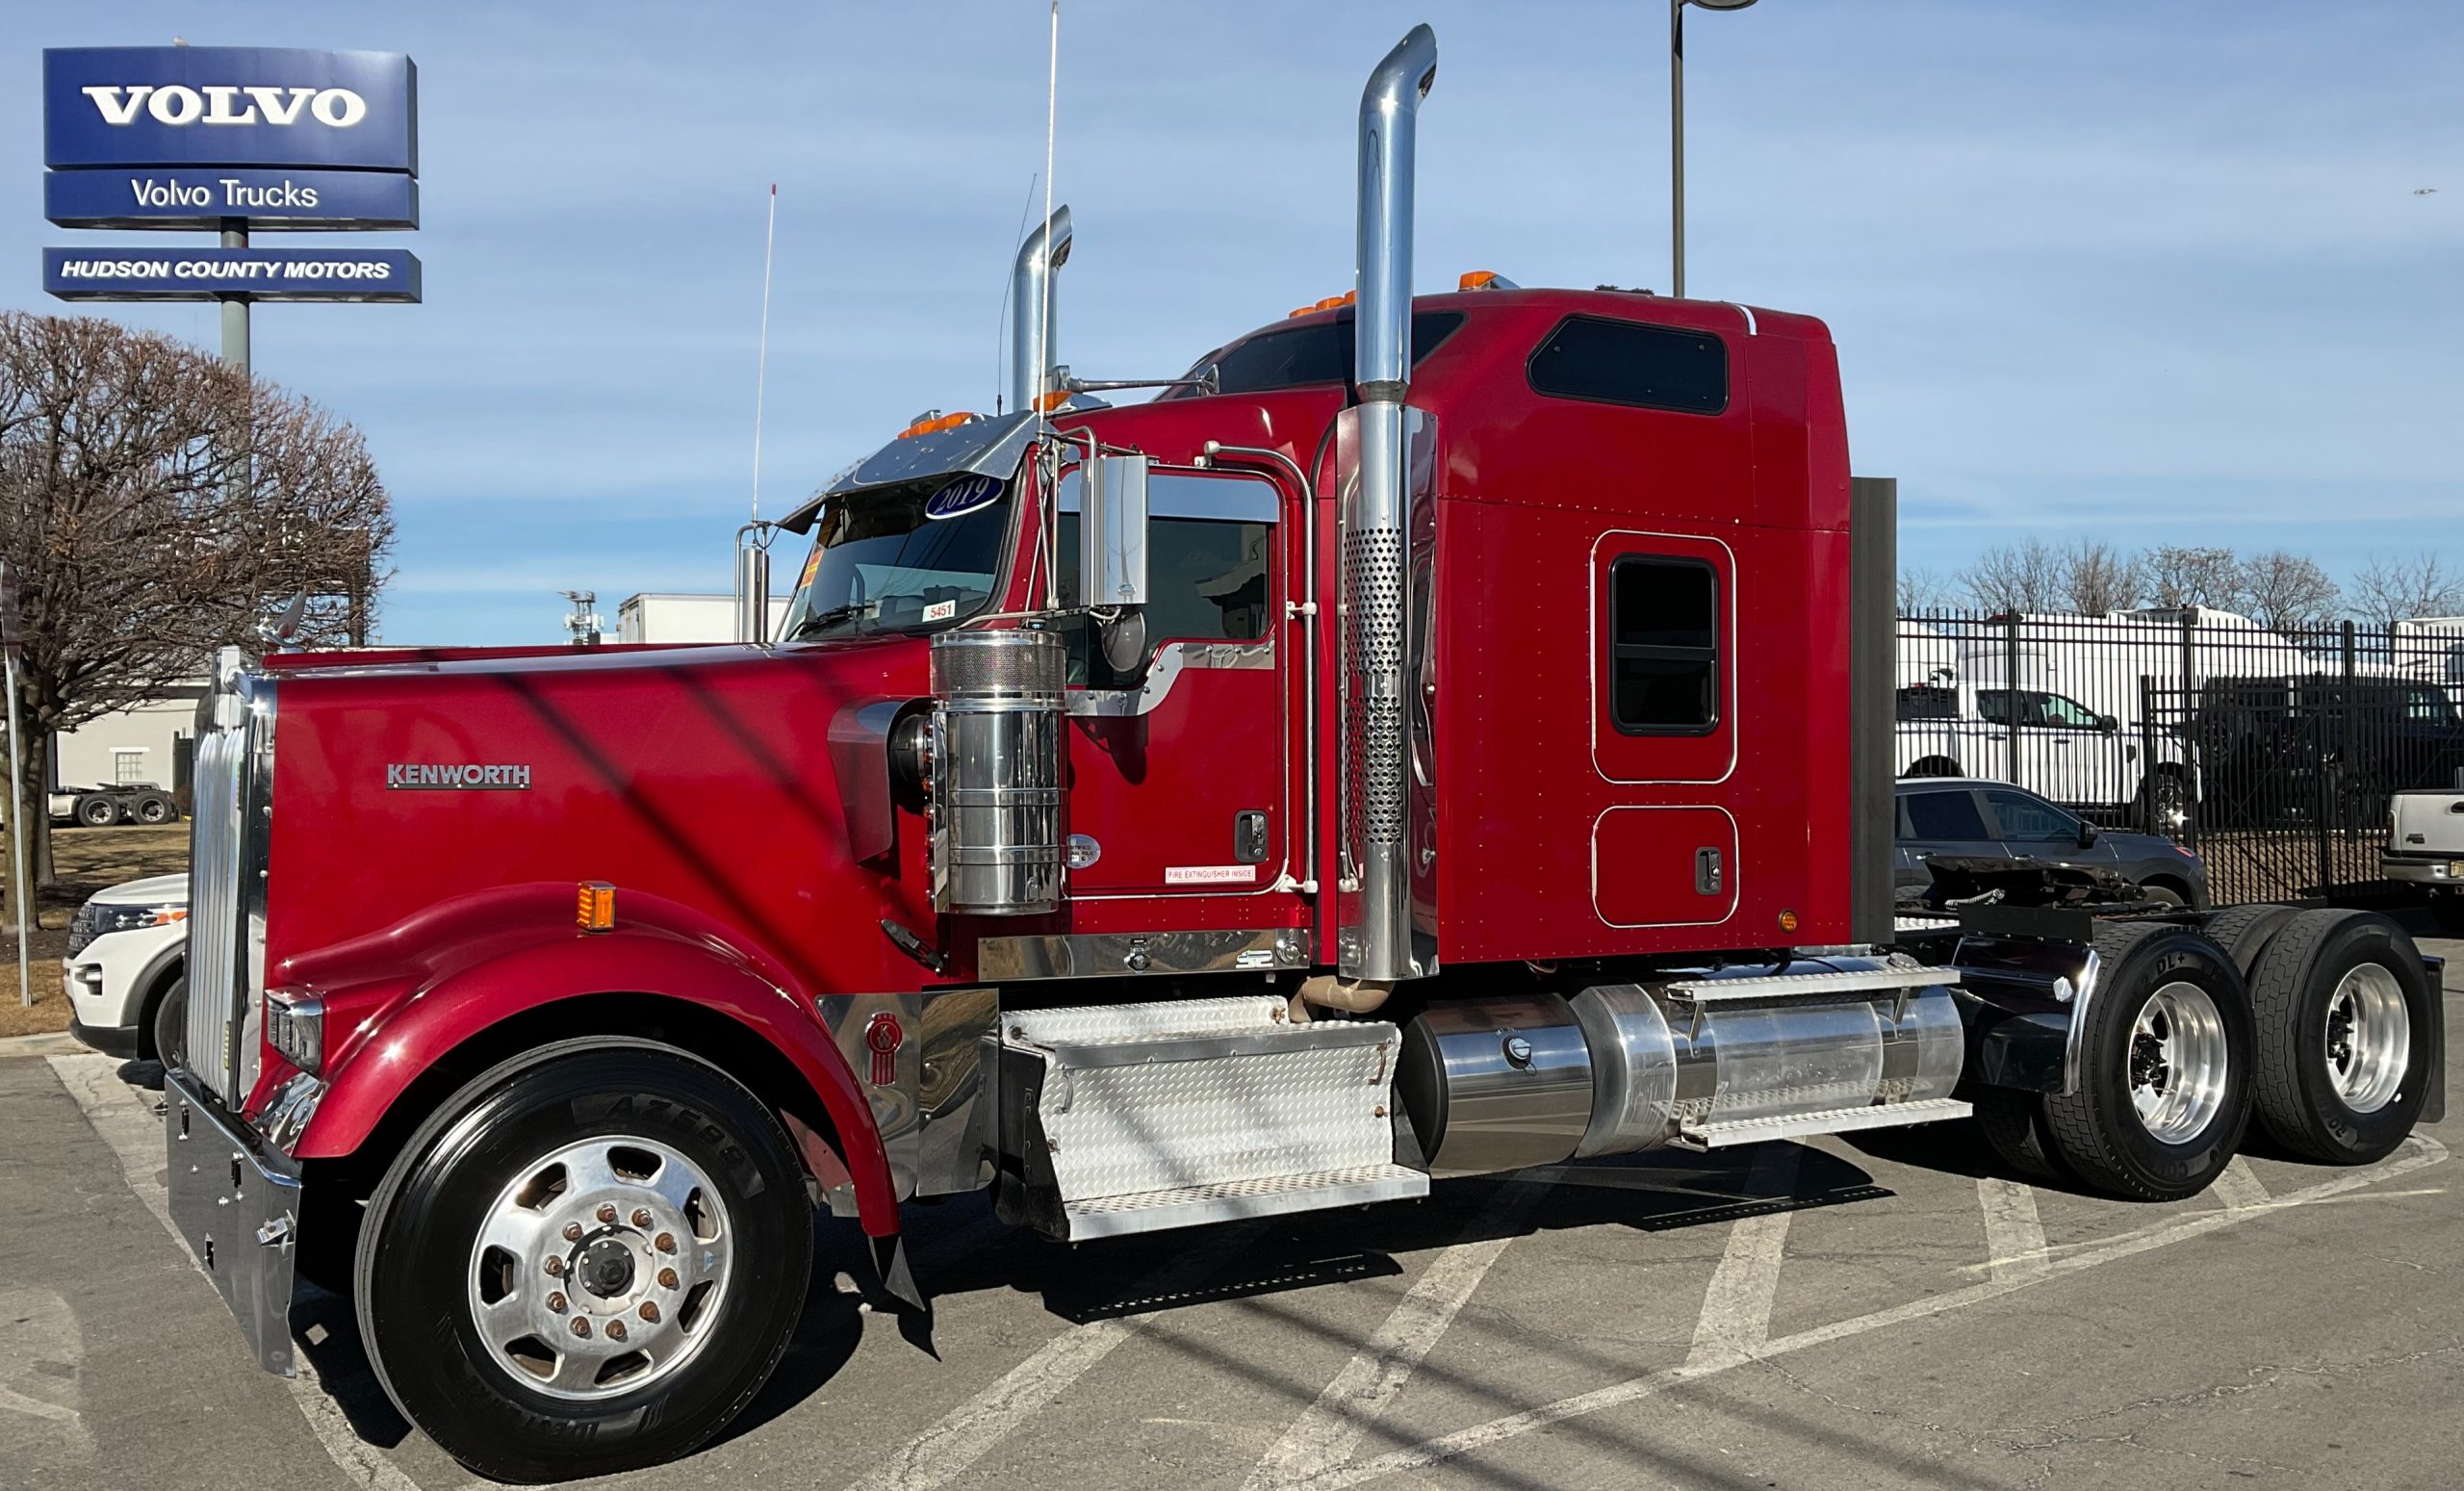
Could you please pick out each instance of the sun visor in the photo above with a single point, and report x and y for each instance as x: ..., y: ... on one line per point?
x: 993, y: 448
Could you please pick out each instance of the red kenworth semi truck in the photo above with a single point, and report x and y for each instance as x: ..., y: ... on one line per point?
x: 1438, y: 735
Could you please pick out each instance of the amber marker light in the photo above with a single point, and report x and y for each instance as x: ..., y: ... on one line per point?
x: 1787, y: 921
x: 595, y: 907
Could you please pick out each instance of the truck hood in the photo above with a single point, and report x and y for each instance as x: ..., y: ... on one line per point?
x: 703, y: 779
x: 152, y: 891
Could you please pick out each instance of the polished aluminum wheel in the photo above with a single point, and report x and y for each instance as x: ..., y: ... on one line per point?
x: 2369, y: 1038
x: 2178, y: 1063
x: 599, y: 1268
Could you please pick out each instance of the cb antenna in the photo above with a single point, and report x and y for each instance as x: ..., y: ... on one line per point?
x: 1051, y: 123
x: 761, y: 358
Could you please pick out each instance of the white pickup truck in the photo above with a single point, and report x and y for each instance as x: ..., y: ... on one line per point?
x: 2426, y: 847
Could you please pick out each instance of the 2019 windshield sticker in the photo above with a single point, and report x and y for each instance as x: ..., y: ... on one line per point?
x: 960, y: 495
x: 455, y: 777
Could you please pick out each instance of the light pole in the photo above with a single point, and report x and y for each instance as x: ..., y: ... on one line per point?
x: 1676, y: 132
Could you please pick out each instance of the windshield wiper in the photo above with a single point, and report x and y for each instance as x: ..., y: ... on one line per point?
x: 820, y: 621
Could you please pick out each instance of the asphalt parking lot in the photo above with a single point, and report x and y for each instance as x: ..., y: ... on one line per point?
x: 1882, y: 1312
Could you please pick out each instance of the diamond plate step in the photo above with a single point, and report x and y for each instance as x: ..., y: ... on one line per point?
x: 1135, y: 1118
x: 1831, y: 1121
x: 1801, y: 985
x: 1189, y: 1206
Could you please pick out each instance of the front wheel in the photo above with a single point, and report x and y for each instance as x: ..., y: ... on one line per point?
x: 171, y: 1025
x: 2163, y: 1091
x: 589, y: 1262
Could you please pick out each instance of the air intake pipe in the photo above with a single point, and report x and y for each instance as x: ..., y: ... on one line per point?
x: 1377, y: 946
x: 1032, y: 295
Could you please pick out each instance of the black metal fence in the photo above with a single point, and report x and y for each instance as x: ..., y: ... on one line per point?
x: 2270, y: 752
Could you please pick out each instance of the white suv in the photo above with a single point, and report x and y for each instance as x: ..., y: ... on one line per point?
x: 127, y: 952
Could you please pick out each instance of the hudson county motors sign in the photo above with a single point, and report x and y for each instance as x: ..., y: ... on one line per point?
x: 363, y: 274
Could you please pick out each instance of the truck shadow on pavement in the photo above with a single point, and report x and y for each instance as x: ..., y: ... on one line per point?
x: 959, y: 1248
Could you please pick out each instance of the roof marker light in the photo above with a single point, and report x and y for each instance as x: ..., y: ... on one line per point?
x: 595, y: 906
x: 1485, y: 279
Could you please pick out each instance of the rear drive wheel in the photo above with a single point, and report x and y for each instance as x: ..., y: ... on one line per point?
x: 97, y: 813
x: 2164, y: 1086
x: 587, y: 1263
x: 171, y: 1025
x: 2344, y: 1019
x: 155, y: 807
x: 2014, y: 1124
x: 2246, y: 930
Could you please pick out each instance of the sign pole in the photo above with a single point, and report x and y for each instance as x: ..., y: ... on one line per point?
x: 235, y: 308
x: 19, y: 891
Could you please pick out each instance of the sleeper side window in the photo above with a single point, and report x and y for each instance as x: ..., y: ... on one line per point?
x: 1663, y: 662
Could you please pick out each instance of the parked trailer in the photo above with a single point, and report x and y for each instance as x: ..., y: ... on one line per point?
x: 101, y: 806
x: 1439, y: 737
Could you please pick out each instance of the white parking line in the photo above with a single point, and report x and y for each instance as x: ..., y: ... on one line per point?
x: 1737, y: 1307
x: 123, y: 1116
x: 2014, y: 1235
x: 1328, y: 1433
x: 962, y: 1436
x: 2237, y: 1187
x: 2420, y: 1153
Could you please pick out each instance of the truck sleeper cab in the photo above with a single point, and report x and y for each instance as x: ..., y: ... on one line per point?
x: 1442, y: 736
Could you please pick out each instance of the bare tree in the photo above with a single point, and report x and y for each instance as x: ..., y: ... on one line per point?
x: 155, y: 503
x: 2024, y: 577
x: 2096, y: 578
x: 2399, y: 587
x: 2286, y: 592
x: 1921, y: 589
x: 2177, y: 576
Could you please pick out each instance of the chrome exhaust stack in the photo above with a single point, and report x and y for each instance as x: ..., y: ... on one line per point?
x: 1032, y: 317
x: 1375, y: 945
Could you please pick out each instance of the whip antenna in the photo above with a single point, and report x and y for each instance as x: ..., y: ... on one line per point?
x: 1051, y: 122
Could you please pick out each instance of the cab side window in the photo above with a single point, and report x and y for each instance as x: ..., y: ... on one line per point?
x: 1206, y: 583
x: 1663, y: 662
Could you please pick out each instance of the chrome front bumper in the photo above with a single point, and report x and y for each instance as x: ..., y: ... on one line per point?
x: 236, y: 1201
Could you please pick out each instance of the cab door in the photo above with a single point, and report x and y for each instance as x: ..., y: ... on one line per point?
x: 1178, y: 771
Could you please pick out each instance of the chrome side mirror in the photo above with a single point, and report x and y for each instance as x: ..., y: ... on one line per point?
x: 1112, y: 533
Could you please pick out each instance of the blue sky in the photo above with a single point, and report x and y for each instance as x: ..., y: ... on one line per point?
x: 2153, y: 272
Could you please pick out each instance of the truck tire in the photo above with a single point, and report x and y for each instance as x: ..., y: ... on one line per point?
x: 171, y: 1025
x: 588, y: 1154
x: 2165, y: 1085
x: 153, y: 808
x: 2013, y: 1125
x: 2343, y: 1018
x: 2246, y: 930
x: 2167, y: 802
x: 96, y: 811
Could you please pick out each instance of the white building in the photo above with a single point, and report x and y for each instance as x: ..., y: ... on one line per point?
x: 148, y: 742
x: 685, y: 618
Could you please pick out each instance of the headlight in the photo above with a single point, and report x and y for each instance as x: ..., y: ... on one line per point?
x: 97, y: 918
x: 296, y: 1027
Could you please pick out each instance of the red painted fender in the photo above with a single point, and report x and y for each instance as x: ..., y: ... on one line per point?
x: 419, y: 1029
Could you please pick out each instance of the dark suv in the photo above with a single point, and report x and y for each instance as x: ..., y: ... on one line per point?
x: 1966, y: 818
x: 2276, y: 750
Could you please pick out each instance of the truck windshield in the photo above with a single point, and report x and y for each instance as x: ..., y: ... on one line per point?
x: 918, y: 554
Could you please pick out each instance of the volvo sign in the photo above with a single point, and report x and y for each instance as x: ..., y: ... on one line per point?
x: 230, y: 140
x: 171, y: 106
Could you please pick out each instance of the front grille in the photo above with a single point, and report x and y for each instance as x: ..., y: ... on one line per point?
x: 226, y: 889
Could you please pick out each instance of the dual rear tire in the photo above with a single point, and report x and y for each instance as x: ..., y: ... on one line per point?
x: 2317, y: 1024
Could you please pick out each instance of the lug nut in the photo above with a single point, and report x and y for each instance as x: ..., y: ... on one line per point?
x: 573, y: 1232
x: 665, y: 1243
x: 557, y: 1302
x: 642, y: 1217
x: 666, y: 1280
x: 650, y: 1311
x: 554, y: 1266
x: 615, y: 1330
x: 581, y: 1328
x: 606, y: 1211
